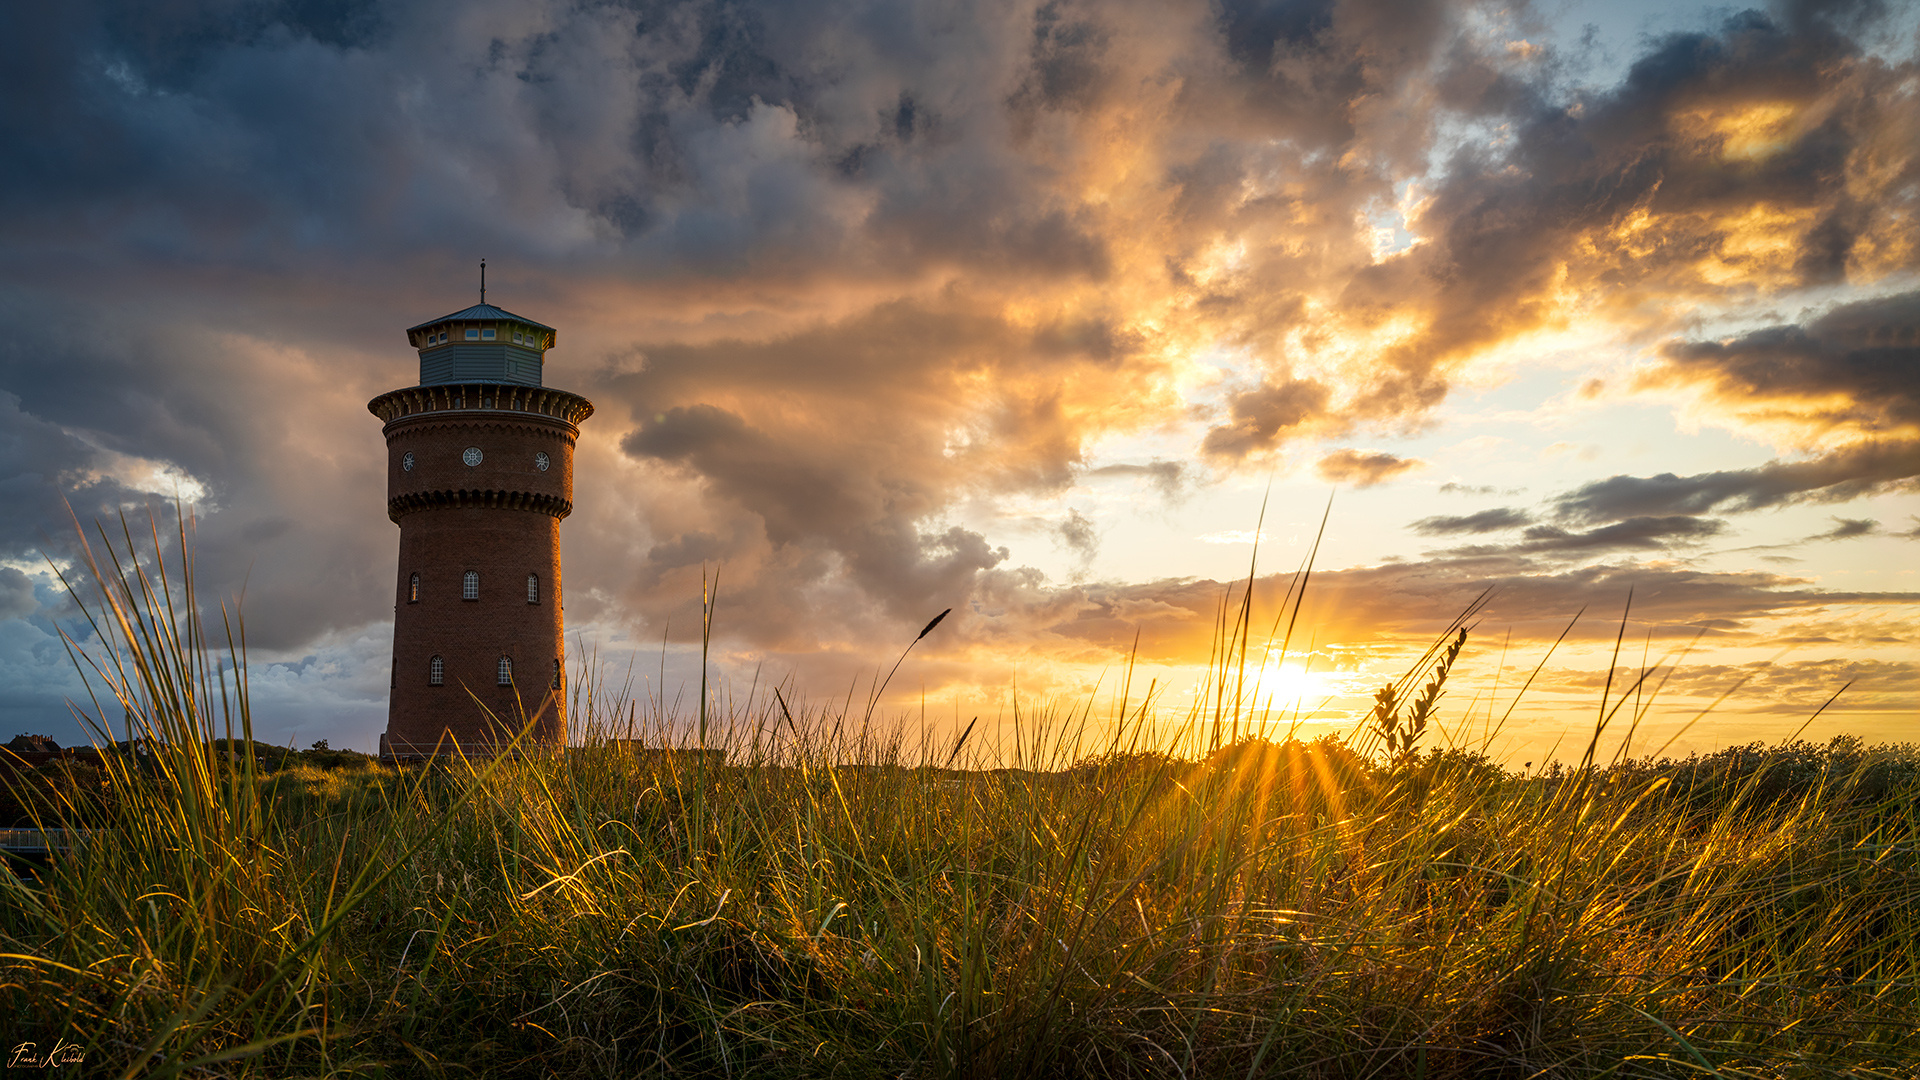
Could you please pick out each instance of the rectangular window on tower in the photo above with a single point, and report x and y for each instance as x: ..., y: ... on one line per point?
x: 533, y: 588
x: 505, y: 673
x: 470, y: 585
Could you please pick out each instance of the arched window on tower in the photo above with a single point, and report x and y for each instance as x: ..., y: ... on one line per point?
x: 556, y: 674
x: 470, y: 585
x: 506, y: 671
x: 413, y: 589
x: 436, y: 672
x: 533, y: 588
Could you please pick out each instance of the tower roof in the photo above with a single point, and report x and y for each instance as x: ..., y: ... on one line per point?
x: 480, y: 313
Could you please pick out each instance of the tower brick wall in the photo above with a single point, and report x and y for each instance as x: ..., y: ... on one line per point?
x: 467, y: 487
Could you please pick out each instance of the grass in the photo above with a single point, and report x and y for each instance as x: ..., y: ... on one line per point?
x: 836, y: 898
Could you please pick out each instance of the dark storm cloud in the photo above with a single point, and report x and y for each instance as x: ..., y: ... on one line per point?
x: 1503, y: 517
x: 264, y: 134
x: 39, y: 461
x: 124, y: 409
x: 131, y: 385
x: 16, y: 594
x: 796, y: 498
x: 1855, y: 368
x: 1834, y: 477
x: 806, y: 504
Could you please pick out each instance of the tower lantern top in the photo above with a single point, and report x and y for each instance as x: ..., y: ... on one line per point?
x: 482, y: 343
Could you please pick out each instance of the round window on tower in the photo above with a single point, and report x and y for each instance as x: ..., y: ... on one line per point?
x: 406, y: 461
x: 472, y: 456
x: 541, y: 461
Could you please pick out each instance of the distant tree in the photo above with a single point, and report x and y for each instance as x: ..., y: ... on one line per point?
x: 321, y: 745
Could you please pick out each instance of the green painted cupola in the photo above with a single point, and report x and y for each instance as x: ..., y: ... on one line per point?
x: 482, y: 344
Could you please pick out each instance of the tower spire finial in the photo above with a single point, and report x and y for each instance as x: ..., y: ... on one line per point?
x: 483, y: 281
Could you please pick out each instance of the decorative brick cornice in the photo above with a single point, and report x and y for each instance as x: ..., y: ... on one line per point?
x: 484, y: 420
x: 401, y: 505
x: 470, y: 401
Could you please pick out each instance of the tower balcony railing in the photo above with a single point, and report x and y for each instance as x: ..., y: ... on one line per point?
x: 480, y: 397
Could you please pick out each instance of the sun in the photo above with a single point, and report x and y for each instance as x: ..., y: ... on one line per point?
x: 1290, y: 681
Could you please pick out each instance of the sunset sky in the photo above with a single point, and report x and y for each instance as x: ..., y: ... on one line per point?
x: 1019, y: 309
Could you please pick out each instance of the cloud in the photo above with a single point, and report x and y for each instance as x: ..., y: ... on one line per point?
x: 1504, y: 517
x: 1848, y: 528
x: 1843, y: 529
x: 124, y: 407
x: 805, y: 506
x: 822, y: 459
x: 1637, y: 532
x: 1798, y: 686
x: 1267, y: 415
x: 1843, y: 474
x: 1167, y: 477
x: 16, y: 594
x: 1363, y: 468
x: 1407, y: 601
x: 1734, y: 158
x: 1555, y: 542
x: 1080, y: 536
x: 1854, y: 372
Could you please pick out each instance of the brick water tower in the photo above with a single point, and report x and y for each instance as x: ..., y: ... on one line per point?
x: 479, y: 475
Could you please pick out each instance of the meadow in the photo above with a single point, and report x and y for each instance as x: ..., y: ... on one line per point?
x: 827, y: 893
